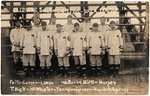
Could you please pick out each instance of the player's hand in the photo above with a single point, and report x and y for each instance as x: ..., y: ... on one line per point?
x: 84, y: 48
x: 107, y: 48
x: 51, y: 48
x: 68, y: 49
x: 56, y: 52
x: 83, y: 52
x: 50, y: 52
x: 15, y: 43
x: 88, y: 52
x: 38, y: 50
x: 21, y: 51
x: 103, y: 52
x: 121, y: 46
x: 87, y: 48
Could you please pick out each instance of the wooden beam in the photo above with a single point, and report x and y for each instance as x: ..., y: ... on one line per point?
x: 5, y: 6
x: 73, y: 10
x: 147, y: 22
x: 48, y: 19
x: 140, y: 14
x: 75, y: 5
x: 132, y: 12
x: 53, y: 7
x: 69, y: 9
x: 46, y: 5
x: 98, y: 8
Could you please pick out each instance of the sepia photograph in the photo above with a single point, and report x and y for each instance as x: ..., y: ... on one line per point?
x: 74, y: 47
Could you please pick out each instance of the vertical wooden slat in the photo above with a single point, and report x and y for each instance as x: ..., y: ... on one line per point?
x: 147, y: 21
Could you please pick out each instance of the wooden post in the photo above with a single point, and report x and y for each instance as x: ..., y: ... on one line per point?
x: 11, y: 14
x: 147, y: 21
x: 140, y: 14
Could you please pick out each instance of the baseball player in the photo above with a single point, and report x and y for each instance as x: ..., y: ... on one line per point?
x: 86, y: 26
x: 78, y: 45
x: 44, y: 47
x: 115, y: 45
x: 37, y: 29
x: 15, y: 37
x: 97, y: 46
x: 68, y: 27
x: 52, y: 29
x: 104, y: 29
x: 62, y: 47
x: 37, y: 26
x: 27, y: 45
x: 52, y: 25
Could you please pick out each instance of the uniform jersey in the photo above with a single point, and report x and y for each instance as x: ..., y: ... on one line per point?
x: 44, y: 42
x: 96, y: 42
x: 77, y: 43
x: 61, y: 42
x: 15, y: 36
x: 36, y: 30
x: 86, y: 27
x: 52, y: 28
x: 68, y: 28
x: 28, y: 42
x: 114, y: 41
x: 104, y: 29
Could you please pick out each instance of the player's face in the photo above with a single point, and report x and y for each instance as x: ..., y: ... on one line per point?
x: 112, y: 26
x: 44, y: 27
x: 70, y: 20
x: 18, y: 23
x: 86, y: 19
x: 29, y: 27
x: 77, y: 28
x: 53, y: 20
x: 102, y: 20
x: 37, y: 22
x: 59, y: 28
x: 95, y: 28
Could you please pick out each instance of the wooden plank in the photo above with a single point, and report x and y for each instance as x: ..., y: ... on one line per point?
x: 48, y: 19
x: 69, y: 9
x: 104, y: 2
x: 75, y: 5
x: 132, y: 57
x: 81, y: 18
x: 132, y: 33
x: 46, y: 5
x: 126, y: 6
x: 42, y: 12
x: 147, y: 22
x: 133, y: 54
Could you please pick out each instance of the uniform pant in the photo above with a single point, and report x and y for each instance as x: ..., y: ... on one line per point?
x: 63, y: 61
x: 114, y: 59
x: 29, y: 59
x: 16, y: 55
x: 45, y: 60
x: 96, y: 60
x: 79, y: 60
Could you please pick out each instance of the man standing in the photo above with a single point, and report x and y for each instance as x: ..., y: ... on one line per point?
x: 115, y: 45
x: 44, y: 47
x: 62, y: 47
x: 104, y: 29
x: 27, y: 45
x: 15, y: 37
x: 97, y: 47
